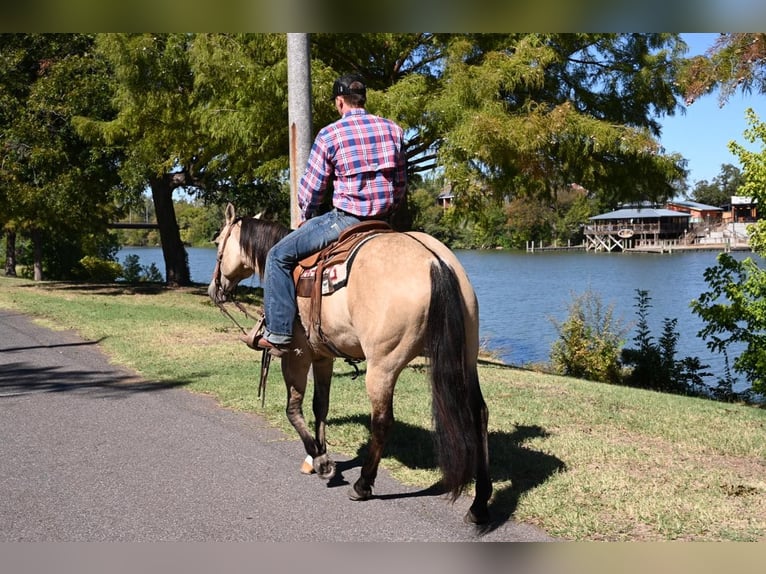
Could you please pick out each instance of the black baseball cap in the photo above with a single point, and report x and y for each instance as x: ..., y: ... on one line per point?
x: 342, y: 86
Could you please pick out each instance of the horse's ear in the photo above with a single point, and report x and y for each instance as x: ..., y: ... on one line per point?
x: 229, y: 213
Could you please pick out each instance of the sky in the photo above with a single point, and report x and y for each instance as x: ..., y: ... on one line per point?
x: 701, y: 134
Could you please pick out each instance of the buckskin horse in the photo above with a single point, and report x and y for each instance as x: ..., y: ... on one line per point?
x: 406, y: 295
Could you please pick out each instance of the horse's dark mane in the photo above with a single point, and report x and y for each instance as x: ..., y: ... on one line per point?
x: 257, y: 237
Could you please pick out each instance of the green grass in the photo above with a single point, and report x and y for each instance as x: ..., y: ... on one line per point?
x: 582, y: 460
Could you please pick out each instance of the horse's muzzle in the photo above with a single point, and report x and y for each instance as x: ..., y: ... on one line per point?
x: 216, y: 293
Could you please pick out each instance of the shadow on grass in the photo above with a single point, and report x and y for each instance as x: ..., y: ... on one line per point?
x: 110, y: 289
x: 510, y: 461
x: 244, y: 295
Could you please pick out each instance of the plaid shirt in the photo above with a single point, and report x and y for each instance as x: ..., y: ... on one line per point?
x: 362, y: 157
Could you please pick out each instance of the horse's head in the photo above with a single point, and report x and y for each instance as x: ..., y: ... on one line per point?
x: 232, y: 265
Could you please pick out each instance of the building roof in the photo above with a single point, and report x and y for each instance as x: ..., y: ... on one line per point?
x: 639, y: 213
x: 696, y: 205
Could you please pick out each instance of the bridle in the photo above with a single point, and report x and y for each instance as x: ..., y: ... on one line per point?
x: 219, y: 255
x: 217, y: 274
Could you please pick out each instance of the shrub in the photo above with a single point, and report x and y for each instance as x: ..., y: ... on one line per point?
x: 589, y: 341
x: 99, y: 270
x: 134, y: 272
x: 654, y: 365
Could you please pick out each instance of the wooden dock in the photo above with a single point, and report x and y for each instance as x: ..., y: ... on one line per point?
x: 721, y: 247
x: 119, y: 225
x: 532, y: 248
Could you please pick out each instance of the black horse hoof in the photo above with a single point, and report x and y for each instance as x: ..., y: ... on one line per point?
x: 324, y: 467
x: 358, y: 492
x: 477, y: 517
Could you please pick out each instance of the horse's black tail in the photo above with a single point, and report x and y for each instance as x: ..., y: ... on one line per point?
x: 456, y: 397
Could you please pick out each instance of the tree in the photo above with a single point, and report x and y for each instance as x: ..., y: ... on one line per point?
x: 154, y: 126
x: 528, y: 219
x: 509, y: 115
x: 201, y: 113
x: 737, y: 61
x: 56, y: 186
x: 651, y: 365
x: 734, y: 309
x: 504, y: 115
x: 734, y: 312
x: 529, y: 114
x: 718, y: 193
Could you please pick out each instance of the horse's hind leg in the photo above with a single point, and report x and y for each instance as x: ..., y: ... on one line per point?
x: 380, y: 390
x: 479, y: 513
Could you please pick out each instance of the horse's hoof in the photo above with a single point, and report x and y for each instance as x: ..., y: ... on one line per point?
x: 355, y: 494
x: 324, y: 467
x: 476, y: 516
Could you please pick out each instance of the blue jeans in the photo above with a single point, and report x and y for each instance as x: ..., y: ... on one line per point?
x: 279, y: 302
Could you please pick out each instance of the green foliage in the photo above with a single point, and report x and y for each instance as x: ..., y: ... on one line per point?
x: 528, y: 219
x: 589, y: 341
x: 527, y: 114
x: 734, y: 307
x: 62, y: 252
x: 653, y: 365
x: 718, y: 193
x: 134, y: 272
x: 198, y: 223
x: 99, y: 270
x: 56, y: 187
x: 428, y: 215
x: 505, y: 117
x: 734, y: 311
x: 736, y: 62
x: 590, y: 346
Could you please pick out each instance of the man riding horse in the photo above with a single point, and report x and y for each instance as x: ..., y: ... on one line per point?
x: 361, y: 156
x: 407, y: 297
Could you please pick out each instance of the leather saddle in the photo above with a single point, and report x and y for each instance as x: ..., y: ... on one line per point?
x: 326, y: 271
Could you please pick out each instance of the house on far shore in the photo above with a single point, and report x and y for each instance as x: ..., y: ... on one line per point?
x: 679, y: 225
x: 636, y: 227
x: 445, y: 197
x: 742, y: 209
x: 701, y: 214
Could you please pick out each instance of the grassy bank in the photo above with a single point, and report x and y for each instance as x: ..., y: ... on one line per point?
x: 582, y: 460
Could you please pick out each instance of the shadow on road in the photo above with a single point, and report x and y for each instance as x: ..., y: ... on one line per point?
x: 23, y: 378
x: 56, y: 346
x: 412, y: 446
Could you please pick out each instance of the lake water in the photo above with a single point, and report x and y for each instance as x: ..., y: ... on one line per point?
x: 521, y: 294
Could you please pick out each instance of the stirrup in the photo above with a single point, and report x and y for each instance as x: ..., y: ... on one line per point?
x: 250, y: 339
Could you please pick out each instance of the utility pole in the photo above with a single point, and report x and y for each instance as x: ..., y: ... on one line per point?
x: 298, y: 113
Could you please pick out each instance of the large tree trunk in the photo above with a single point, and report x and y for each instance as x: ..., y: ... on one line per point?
x: 10, y: 253
x: 173, y: 251
x: 37, y: 250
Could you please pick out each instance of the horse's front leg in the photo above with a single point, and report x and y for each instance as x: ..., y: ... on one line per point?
x: 322, y: 370
x: 295, y: 369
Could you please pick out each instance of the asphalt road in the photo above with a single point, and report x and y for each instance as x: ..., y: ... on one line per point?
x: 90, y: 452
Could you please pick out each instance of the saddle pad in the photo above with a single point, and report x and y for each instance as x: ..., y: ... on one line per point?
x: 333, y: 278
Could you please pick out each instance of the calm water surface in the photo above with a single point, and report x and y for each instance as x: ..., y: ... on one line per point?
x: 522, y: 294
